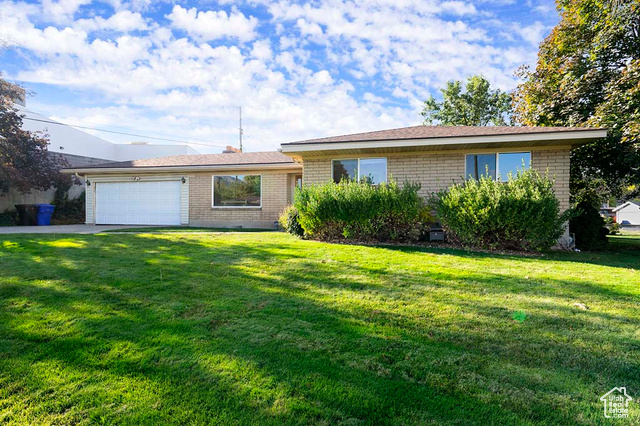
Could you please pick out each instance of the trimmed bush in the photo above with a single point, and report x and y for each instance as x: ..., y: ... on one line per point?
x: 289, y: 221
x: 520, y: 214
x: 589, y: 228
x: 9, y: 217
x: 359, y: 211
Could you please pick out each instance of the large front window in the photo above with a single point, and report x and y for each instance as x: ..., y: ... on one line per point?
x: 237, y: 190
x: 497, y: 165
x: 512, y: 163
x: 481, y: 165
x: 370, y: 170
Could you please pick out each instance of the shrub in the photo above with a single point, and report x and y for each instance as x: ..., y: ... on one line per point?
x: 9, y: 217
x: 289, y: 220
x: 520, y: 214
x: 589, y: 228
x: 68, y: 211
x: 612, y: 226
x: 360, y: 211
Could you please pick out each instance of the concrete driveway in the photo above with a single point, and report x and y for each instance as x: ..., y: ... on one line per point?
x: 61, y: 229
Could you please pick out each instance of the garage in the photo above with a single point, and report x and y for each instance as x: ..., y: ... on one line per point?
x: 137, y: 203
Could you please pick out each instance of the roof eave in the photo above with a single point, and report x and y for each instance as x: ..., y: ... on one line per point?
x: 623, y: 206
x: 573, y: 138
x: 182, y: 169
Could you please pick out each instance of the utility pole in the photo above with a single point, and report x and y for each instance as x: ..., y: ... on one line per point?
x: 240, y: 127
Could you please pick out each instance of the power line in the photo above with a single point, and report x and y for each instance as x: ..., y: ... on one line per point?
x: 122, y: 133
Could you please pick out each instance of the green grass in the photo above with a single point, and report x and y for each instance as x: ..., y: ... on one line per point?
x: 184, y: 229
x: 262, y: 328
x: 625, y: 241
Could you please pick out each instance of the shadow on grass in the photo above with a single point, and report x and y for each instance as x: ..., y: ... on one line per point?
x: 282, y: 332
x: 180, y: 229
x: 618, y: 255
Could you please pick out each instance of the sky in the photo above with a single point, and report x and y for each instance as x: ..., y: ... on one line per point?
x: 299, y: 70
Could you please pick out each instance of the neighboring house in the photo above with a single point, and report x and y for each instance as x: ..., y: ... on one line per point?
x: 628, y: 213
x: 79, y: 149
x: 606, y: 211
x: 250, y: 189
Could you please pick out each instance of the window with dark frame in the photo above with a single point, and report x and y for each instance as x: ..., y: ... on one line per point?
x: 371, y: 170
x: 345, y: 169
x: 496, y: 165
x: 481, y: 165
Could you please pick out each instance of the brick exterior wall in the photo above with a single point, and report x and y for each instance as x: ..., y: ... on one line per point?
x: 438, y: 170
x: 557, y: 163
x: 434, y: 172
x: 275, y: 192
x: 316, y: 171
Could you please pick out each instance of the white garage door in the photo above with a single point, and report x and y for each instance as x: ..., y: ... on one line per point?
x: 138, y: 203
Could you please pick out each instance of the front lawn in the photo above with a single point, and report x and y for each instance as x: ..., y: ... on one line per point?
x: 262, y: 328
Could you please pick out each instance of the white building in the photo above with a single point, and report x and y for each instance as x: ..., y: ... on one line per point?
x: 80, y: 149
x: 70, y: 141
x: 628, y: 213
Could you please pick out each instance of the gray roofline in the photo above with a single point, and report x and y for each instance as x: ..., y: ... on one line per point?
x: 568, y: 137
x: 326, y: 140
x: 184, y: 168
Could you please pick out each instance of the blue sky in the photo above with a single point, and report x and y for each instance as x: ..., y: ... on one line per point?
x: 299, y: 70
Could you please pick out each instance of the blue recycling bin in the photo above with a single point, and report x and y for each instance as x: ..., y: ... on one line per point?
x: 44, y: 214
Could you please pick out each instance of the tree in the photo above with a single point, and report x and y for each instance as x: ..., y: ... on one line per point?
x: 477, y: 106
x: 25, y: 162
x: 588, y: 74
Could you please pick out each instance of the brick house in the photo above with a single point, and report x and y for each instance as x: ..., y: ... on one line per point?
x: 251, y: 189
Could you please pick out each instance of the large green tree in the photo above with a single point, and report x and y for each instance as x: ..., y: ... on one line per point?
x: 25, y: 162
x: 588, y: 74
x: 477, y: 105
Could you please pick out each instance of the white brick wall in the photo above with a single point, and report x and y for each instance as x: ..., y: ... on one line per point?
x: 437, y: 171
x: 433, y: 171
x: 557, y: 164
x: 275, y: 191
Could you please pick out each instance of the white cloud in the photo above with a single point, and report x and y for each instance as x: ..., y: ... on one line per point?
x: 213, y: 25
x: 316, y: 69
x: 61, y: 11
x: 123, y: 21
x: 459, y: 8
x: 262, y: 50
x: 533, y: 33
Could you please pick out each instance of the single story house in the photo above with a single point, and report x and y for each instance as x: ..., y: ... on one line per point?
x: 251, y: 189
x: 627, y: 213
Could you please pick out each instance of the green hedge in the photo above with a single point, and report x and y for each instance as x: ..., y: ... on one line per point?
x: 359, y: 211
x: 589, y: 228
x: 520, y: 214
x: 9, y: 218
x: 68, y: 211
x: 290, y: 221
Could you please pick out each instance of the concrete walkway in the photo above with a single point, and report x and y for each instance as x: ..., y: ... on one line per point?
x: 61, y: 229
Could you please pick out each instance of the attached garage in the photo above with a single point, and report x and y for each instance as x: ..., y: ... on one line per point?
x: 252, y: 190
x: 137, y: 203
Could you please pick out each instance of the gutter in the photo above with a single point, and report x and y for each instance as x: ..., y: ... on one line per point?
x: 183, y: 169
x: 577, y: 135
